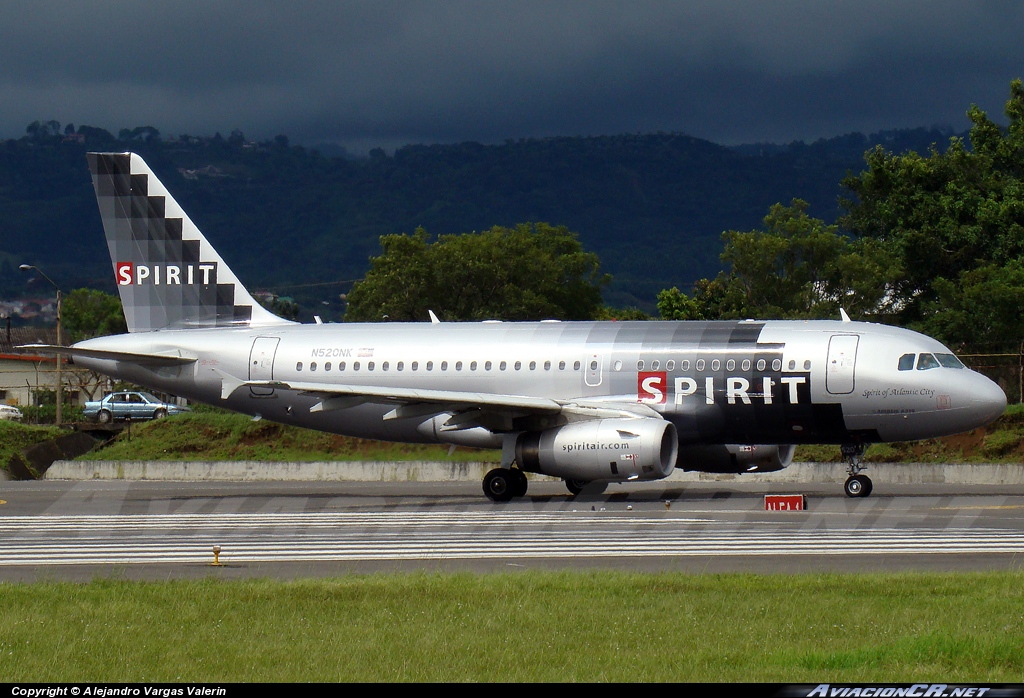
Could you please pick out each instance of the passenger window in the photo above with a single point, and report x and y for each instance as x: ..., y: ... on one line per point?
x: 298, y: 366
x: 907, y: 362
x: 655, y: 365
x: 430, y: 365
x: 777, y: 365
x: 792, y: 364
x: 503, y: 365
x: 312, y: 366
x: 640, y: 365
x: 458, y: 365
x: 761, y: 364
x: 384, y: 366
x: 327, y: 366
x: 730, y: 365
x: 355, y: 365
x: 533, y: 365
x: 670, y: 366
x: 547, y: 365
x: 716, y: 364
x: 415, y: 365
x: 487, y: 365
x: 519, y: 365
x: 576, y: 366
x: 926, y: 361
x: 807, y: 364
x: 472, y: 365
x: 401, y: 365
x: 685, y: 364
x: 700, y: 364
x: 561, y: 365
x: 746, y: 365
x: 341, y: 366
x: 444, y: 365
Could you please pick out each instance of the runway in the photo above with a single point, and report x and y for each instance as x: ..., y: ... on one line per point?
x: 64, y: 530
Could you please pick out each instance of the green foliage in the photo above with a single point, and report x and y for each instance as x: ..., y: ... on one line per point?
x: 982, y: 306
x: 88, y: 313
x: 213, y: 434
x: 533, y: 271
x: 15, y: 437
x: 282, y: 307
x: 47, y: 413
x: 948, y: 219
x: 796, y: 267
x: 621, y: 314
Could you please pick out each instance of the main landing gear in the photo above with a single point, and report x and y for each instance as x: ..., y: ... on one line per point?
x: 502, y: 484
x: 856, y: 485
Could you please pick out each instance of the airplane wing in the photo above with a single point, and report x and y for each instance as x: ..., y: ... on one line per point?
x: 142, y: 359
x: 466, y: 407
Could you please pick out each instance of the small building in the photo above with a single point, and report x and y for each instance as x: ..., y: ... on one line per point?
x: 24, y: 374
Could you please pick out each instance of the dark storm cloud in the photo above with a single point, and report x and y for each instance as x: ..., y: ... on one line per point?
x: 424, y: 71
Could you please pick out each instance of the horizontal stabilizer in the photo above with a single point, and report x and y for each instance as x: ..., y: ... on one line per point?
x: 132, y: 357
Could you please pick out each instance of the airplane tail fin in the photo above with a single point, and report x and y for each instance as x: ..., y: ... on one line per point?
x: 167, y: 273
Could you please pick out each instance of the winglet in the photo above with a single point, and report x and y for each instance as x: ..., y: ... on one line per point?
x: 844, y: 316
x: 433, y: 318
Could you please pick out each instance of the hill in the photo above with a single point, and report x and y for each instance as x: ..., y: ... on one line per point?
x: 652, y: 206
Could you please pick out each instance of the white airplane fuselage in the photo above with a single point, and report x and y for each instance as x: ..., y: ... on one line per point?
x: 770, y: 382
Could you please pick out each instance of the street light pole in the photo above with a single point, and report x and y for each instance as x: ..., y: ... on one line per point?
x: 60, y: 341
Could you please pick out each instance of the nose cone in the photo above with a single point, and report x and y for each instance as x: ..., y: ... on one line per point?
x: 988, y: 401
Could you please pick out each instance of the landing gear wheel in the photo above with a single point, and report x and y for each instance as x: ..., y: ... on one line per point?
x: 520, y: 483
x: 500, y: 485
x: 858, y: 486
x: 577, y: 487
x: 103, y: 417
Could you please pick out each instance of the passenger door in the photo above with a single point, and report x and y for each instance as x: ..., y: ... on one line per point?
x: 842, y: 364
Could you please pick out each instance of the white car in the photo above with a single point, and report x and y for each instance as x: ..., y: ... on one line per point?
x: 8, y: 412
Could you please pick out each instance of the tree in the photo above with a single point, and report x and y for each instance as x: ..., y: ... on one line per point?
x: 87, y: 313
x: 948, y: 213
x: 981, y: 307
x: 530, y: 272
x: 796, y: 267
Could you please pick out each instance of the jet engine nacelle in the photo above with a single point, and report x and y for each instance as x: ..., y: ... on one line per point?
x: 732, y: 458
x: 601, y: 449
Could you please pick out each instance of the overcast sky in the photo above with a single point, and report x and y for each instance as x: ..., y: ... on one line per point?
x: 389, y: 72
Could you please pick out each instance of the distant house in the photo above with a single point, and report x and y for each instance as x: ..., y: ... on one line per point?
x: 23, y: 374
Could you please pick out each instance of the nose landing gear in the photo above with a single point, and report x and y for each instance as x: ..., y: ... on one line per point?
x: 856, y: 485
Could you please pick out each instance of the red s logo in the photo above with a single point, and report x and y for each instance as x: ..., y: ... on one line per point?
x: 652, y: 387
x: 125, y: 273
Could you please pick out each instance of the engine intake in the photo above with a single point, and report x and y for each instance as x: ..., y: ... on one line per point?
x: 605, y: 449
x: 733, y: 458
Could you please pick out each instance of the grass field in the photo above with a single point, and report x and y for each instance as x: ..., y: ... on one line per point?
x: 529, y: 626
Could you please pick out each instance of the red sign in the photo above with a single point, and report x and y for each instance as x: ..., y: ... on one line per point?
x: 784, y: 502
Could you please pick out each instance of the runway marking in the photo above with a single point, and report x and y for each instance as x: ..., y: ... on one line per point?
x: 343, y: 536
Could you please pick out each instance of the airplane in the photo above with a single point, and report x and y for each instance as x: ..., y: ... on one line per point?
x: 588, y: 402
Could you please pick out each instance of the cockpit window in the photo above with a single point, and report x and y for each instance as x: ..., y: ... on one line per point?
x: 907, y: 362
x: 926, y: 361
x: 949, y: 361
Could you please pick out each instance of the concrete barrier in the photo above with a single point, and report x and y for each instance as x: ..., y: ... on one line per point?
x: 432, y: 471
